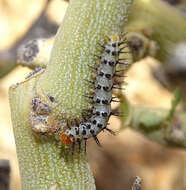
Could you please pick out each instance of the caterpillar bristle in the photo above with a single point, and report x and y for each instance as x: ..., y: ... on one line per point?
x: 114, y: 97
x: 92, y: 91
x: 73, y: 147
x: 121, y: 52
x: 86, y: 115
x: 97, y: 63
x: 97, y: 56
x: 92, y: 67
x: 122, y: 63
x: 85, y: 145
x: 123, y: 37
x: 96, y: 140
x: 119, y: 83
x: 110, y: 131
x: 88, y: 110
x: 126, y: 65
x: 117, y: 101
x: 122, y: 59
x: 122, y: 70
x: 119, y: 88
x: 85, y: 118
x: 123, y: 48
x: 93, y: 76
x: 101, y: 45
x: 79, y: 144
x: 122, y: 42
x: 90, y: 97
x: 116, y: 114
x: 107, y: 38
x: 89, y: 81
x: 116, y: 75
x: 77, y: 122
x: 68, y: 125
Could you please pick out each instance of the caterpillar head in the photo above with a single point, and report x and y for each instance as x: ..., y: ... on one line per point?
x: 112, y: 47
x: 65, y: 139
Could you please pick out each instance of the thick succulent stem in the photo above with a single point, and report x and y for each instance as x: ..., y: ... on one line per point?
x: 42, y: 161
x: 77, y: 42
x: 45, y: 164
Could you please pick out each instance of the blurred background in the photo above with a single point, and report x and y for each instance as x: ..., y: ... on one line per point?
x: 123, y: 156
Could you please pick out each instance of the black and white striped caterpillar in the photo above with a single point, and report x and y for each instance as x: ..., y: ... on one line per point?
x: 102, y: 94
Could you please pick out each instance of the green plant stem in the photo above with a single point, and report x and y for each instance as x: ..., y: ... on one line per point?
x: 44, y: 164
x: 83, y: 29
x: 152, y: 122
x: 6, y: 66
x: 166, y: 127
x: 42, y: 161
x: 160, y: 22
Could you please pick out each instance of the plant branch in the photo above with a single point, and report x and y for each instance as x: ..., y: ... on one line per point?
x: 42, y: 27
x: 44, y: 164
x: 158, y: 21
x: 67, y: 73
x: 35, y: 53
x: 152, y: 122
x: 166, y: 127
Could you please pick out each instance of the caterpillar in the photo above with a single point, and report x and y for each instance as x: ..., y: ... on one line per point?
x: 102, y: 95
x: 106, y: 79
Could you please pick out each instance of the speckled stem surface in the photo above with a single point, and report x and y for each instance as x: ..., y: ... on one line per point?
x: 44, y: 164
x: 77, y: 41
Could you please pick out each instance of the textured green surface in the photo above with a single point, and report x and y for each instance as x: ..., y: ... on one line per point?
x: 44, y: 164
x: 84, y: 27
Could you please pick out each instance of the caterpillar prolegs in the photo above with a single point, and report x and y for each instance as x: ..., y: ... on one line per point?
x: 97, y: 118
x: 102, y: 94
